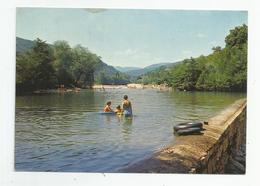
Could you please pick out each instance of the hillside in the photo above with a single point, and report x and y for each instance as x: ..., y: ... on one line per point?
x: 147, y: 69
x: 22, y: 45
x: 106, y: 74
x: 125, y: 69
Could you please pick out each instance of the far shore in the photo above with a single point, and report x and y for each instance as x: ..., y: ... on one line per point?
x: 104, y: 87
x: 132, y: 86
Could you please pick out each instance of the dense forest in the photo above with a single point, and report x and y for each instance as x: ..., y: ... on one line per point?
x: 46, y: 66
x: 225, y: 69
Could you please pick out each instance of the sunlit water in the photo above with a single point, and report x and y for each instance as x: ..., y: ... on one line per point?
x: 63, y: 132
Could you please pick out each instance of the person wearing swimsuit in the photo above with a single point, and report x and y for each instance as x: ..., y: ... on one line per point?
x: 107, y: 108
x: 127, y: 106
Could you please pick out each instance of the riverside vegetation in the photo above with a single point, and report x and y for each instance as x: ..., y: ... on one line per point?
x: 223, y: 70
x: 46, y: 66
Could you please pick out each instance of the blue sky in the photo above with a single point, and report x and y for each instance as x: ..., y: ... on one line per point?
x: 131, y: 37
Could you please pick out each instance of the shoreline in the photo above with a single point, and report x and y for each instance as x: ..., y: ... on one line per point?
x: 103, y: 87
x: 220, y: 149
x: 162, y: 87
x: 133, y: 86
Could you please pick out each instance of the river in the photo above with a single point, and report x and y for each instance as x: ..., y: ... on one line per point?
x: 64, y: 133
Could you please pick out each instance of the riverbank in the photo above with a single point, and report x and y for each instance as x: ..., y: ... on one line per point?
x: 58, y: 90
x: 98, y: 87
x: 104, y: 87
x: 133, y: 86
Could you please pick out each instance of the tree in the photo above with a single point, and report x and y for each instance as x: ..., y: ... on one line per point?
x: 35, y: 68
x: 84, y: 64
x: 63, y: 62
x: 237, y: 37
x: 25, y: 72
x: 216, y: 49
x: 45, y: 73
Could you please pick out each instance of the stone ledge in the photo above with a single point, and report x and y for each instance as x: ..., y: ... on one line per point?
x: 206, y: 153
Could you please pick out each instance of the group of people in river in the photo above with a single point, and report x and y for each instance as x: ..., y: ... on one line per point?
x: 126, y: 107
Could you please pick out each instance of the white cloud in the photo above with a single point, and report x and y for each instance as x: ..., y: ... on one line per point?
x: 200, y: 35
x: 126, y: 52
x: 185, y: 52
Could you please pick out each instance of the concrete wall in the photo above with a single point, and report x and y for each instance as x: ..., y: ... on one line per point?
x: 207, y: 153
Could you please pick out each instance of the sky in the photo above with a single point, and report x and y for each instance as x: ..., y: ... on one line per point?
x: 129, y: 37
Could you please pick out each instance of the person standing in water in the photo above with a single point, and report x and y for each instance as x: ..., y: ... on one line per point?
x: 127, y: 106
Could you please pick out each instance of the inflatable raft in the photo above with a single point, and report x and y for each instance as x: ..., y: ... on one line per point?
x: 188, y: 131
x: 113, y: 113
x: 188, y: 128
x: 106, y: 113
x: 187, y: 125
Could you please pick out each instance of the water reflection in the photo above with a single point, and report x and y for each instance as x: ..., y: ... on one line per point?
x: 128, y: 120
x: 127, y: 128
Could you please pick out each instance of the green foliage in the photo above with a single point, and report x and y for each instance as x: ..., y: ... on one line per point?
x: 47, y: 66
x: 237, y: 37
x: 155, y: 77
x: 223, y: 70
x: 116, y: 79
x: 35, y: 68
x: 186, y: 74
x: 63, y: 62
x: 84, y: 64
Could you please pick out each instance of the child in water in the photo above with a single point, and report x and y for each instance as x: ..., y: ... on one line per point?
x: 119, y: 110
x: 107, y: 108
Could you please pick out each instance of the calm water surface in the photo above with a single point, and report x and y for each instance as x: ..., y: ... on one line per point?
x: 63, y: 132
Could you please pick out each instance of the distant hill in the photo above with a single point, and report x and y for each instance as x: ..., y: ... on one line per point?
x: 139, y: 72
x: 107, y: 69
x: 109, y: 73
x: 22, y: 45
x: 125, y: 69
